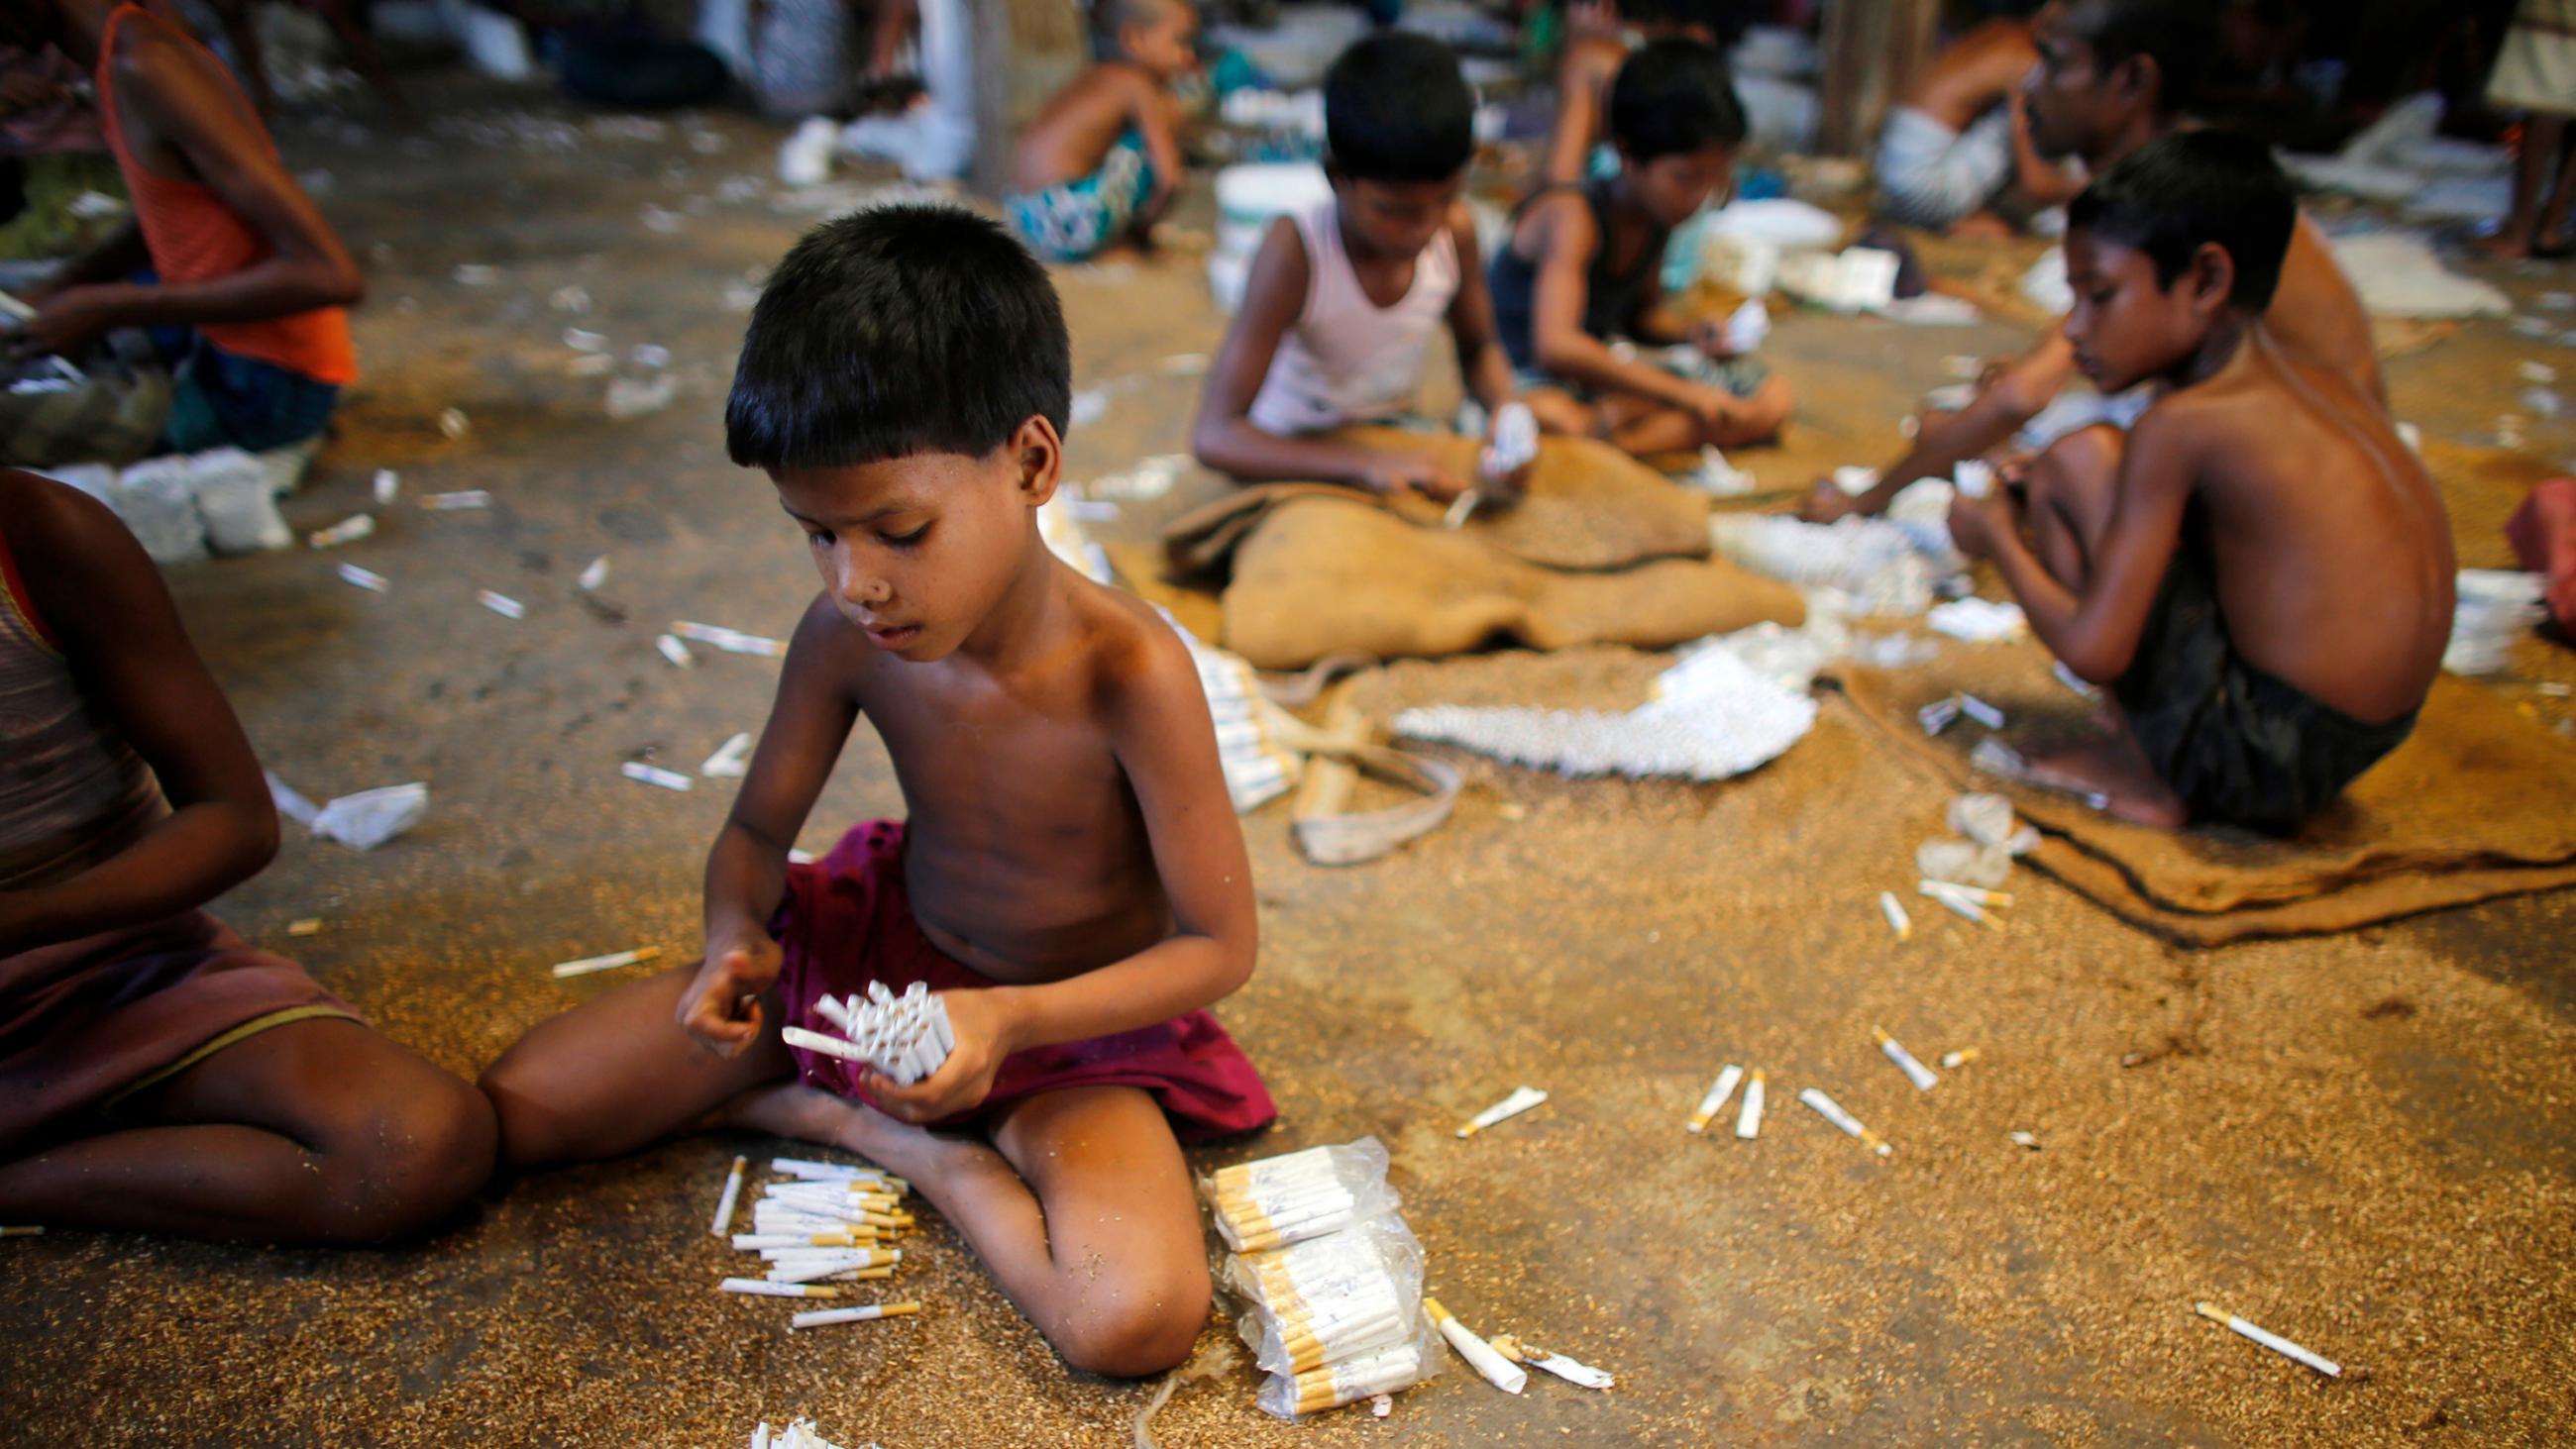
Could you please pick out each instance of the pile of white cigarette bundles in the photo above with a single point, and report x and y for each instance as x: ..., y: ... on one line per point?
x: 1332, y: 1276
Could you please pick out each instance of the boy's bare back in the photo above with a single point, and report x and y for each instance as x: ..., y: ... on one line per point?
x: 1975, y: 75
x: 2333, y: 552
x: 1076, y: 128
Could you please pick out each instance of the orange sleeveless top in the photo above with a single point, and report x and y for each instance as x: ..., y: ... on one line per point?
x: 194, y: 236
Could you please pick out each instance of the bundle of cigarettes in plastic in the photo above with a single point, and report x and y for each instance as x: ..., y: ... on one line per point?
x: 903, y: 1037
x: 1333, y: 1277
x: 826, y: 1224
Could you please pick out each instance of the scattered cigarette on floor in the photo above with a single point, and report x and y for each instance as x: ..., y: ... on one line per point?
x: 655, y: 775
x: 451, y: 421
x: 1952, y: 1061
x: 1832, y: 1111
x: 1499, y: 1371
x: 501, y: 604
x: 348, y: 530
x: 594, y: 575
x: 1957, y: 904
x: 1462, y: 508
x: 1748, y: 1120
x: 2272, y: 1341
x: 1977, y: 895
x: 1980, y: 711
x: 367, y: 579
x: 2024, y: 1139
x: 731, y: 641
x: 1710, y: 1105
x: 1583, y: 1375
x: 1521, y: 1100
x: 675, y: 651
x: 1939, y: 715
x: 610, y: 962
x: 1897, y: 920
x: 763, y: 1288
x: 868, y: 1313
x: 388, y: 485
x: 308, y: 926
x: 1917, y: 1073
x: 458, y: 501
x: 730, y: 759
x: 733, y: 1183
x: 581, y: 339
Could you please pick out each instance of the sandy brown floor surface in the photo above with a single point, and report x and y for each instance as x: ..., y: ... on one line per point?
x: 2362, y: 1142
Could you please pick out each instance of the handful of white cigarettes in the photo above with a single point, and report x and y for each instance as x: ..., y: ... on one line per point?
x: 825, y: 1225
x: 905, y: 1037
x: 1333, y: 1277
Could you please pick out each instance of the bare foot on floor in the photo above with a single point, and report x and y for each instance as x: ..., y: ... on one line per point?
x: 809, y: 1114
x: 2509, y: 244
x: 2113, y: 769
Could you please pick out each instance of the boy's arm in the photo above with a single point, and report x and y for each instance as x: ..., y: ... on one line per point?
x: 1578, y: 120
x: 2040, y: 181
x: 109, y: 614
x: 2001, y: 407
x: 2096, y: 633
x: 1482, y: 364
x: 747, y: 867
x: 118, y: 255
x: 1158, y: 723
x: 1223, y: 437
x: 306, y: 267
x: 1567, y: 242
x: 1158, y: 120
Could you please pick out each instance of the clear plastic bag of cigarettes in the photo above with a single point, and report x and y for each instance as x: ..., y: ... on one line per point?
x: 1282, y: 1200
x: 1330, y: 1276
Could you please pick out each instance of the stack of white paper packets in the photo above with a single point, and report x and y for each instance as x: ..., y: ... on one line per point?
x: 1333, y: 1276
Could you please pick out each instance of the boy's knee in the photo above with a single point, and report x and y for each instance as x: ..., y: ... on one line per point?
x: 528, y: 1134
x: 398, y: 1170
x: 1758, y: 417
x: 2081, y: 464
x: 1149, y: 1327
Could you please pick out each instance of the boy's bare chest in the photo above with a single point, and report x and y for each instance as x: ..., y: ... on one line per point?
x: 960, y: 738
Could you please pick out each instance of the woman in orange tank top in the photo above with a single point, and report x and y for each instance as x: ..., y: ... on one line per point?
x: 240, y: 255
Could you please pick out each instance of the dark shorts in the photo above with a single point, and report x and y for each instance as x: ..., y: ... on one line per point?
x: 847, y: 921
x: 2238, y: 745
x: 220, y: 399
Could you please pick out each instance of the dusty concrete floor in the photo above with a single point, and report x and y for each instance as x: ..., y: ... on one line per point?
x: 2363, y: 1142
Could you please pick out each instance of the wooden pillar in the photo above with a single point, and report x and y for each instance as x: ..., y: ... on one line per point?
x: 1025, y: 51
x: 1872, y: 49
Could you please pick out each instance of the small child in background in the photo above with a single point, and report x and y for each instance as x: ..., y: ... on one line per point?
x: 1071, y: 881
x: 245, y: 263
x: 2258, y: 571
x: 1601, y: 36
x: 1102, y: 160
x: 158, y: 1073
x: 1342, y: 299
x: 1581, y: 270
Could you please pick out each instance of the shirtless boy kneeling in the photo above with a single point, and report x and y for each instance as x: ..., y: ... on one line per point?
x: 2259, y: 571
x: 1071, y: 880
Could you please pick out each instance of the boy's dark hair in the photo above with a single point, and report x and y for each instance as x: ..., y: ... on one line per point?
x: 2180, y: 36
x: 2171, y: 196
x: 1674, y: 96
x: 1110, y: 17
x: 1724, y: 20
x: 1396, y: 108
x: 897, y: 330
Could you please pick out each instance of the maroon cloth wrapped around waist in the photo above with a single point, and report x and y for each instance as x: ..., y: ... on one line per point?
x: 847, y: 920
x: 83, y: 1020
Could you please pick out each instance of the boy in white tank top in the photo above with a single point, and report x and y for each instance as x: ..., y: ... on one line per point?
x: 1343, y: 299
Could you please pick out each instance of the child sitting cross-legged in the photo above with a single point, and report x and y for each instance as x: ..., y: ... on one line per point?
x: 1070, y: 882
x: 1102, y: 160
x: 1342, y: 299
x: 2258, y: 571
x: 1583, y: 268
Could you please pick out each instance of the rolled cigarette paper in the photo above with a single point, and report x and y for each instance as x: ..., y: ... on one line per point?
x: 763, y: 1288
x: 1521, y: 1100
x: 1917, y: 1073
x: 348, y: 530
x: 865, y: 1313
x: 732, y: 1194
x: 731, y: 641
x: 1748, y: 1121
x: 835, y: 1013
x: 368, y: 579
x: 675, y: 651
x: 755, y: 1242
x: 1980, y: 711
x: 1831, y: 1110
x: 453, y: 502
x: 595, y: 574
x: 1957, y: 1059
x: 1897, y: 921
x: 1939, y: 715
x: 655, y: 775
x: 815, y: 1041
x: 729, y: 759
x: 1959, y: 905
x: 609, y: 962
x: 1499, y: 1371
x: 1581, y: 1374
x: 813, y: 1171
x: 1718, y: 1092
x: 1461, y: 508
x: 1977, y: 895
x: 2270, y: 1340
